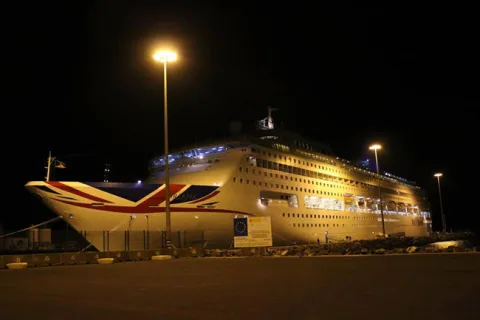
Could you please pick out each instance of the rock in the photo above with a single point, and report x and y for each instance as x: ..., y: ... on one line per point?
x: 458, y: 249
x: 412, y: 249
x: 429, y: 249
x: 380, y: 251
x: 284, y: 252
x: 399, y: 250
x: 364, y: 251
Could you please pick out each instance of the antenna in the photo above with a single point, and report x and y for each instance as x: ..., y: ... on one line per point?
x: 267, y: 123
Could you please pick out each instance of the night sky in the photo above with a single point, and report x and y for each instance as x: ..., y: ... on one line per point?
x: 85, y: 86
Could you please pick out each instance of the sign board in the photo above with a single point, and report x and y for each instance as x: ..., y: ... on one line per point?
x: 252, y: 232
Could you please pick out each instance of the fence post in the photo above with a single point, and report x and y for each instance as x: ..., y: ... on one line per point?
x: 108, y: 240
x: 128, y: 237
x: 179, y: 239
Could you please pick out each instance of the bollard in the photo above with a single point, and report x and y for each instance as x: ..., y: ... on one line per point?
x: 105, y: 260
x: 161, y: 257
x: 17, y: 265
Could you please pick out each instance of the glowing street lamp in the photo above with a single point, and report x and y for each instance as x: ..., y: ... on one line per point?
x: 444, y: 224
x: 166, y: 56
x: 376, y: 147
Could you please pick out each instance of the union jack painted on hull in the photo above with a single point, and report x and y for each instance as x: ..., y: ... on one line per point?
x: 147, y: 203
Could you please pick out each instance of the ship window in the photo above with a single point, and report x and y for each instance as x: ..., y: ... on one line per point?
x: 302, y: 215
x: 259, y: 183
x: 240, y: 169
x: 241, y: 180
x: 288, y: 215
x: 234, y: 179
x: 294, y: 224
x: 283, y: 214
x: 247, y: 181
x: 303, y: 225
x: 254, y: 183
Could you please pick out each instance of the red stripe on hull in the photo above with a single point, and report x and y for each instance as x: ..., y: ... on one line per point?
x: 159, y: 197
x: 146, y: 209
x: 66, y: 188
x: 213, y: 194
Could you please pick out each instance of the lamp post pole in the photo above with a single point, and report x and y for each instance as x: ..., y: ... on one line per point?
x: 375, y: 148
x: 444, y: 223
x: 167, y: 173
x: 165, y: 57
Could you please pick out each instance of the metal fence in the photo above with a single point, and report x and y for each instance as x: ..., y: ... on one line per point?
x: 44, y: 240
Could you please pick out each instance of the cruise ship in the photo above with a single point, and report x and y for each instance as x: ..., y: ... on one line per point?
x: 311, y: 195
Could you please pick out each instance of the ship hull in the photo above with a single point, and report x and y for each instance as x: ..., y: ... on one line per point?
x: 203, y: 215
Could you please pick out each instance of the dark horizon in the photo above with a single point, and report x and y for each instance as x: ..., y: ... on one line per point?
x: 348, y: 76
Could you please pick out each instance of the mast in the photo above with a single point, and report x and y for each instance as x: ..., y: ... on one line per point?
x: 49, y: 165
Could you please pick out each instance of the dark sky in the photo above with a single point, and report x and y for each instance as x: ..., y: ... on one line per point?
x: 83, y: 84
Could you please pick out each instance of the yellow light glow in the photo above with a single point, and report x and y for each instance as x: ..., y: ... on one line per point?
x: 375, y: 147
x: 165, y: 55
x: 438, y: 175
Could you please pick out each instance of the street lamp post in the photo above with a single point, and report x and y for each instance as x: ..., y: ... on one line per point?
x: 165, y: 57
x: 444, y: 223
x: 376, y: 147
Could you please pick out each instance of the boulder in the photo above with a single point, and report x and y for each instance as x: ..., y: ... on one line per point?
x: 412, y: 249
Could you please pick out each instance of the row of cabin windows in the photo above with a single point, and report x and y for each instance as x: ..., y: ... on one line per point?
x: 261, y: 163
x: 281, y: 167
x: 314, y: 216
x: 241, y: 169
x: 281, y: 186
x: 346, y: 188
x: 308, y: 164
x: 285, y: 187
x: 303, y: 172
x: 295, y: 161
x: 315, y: 225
